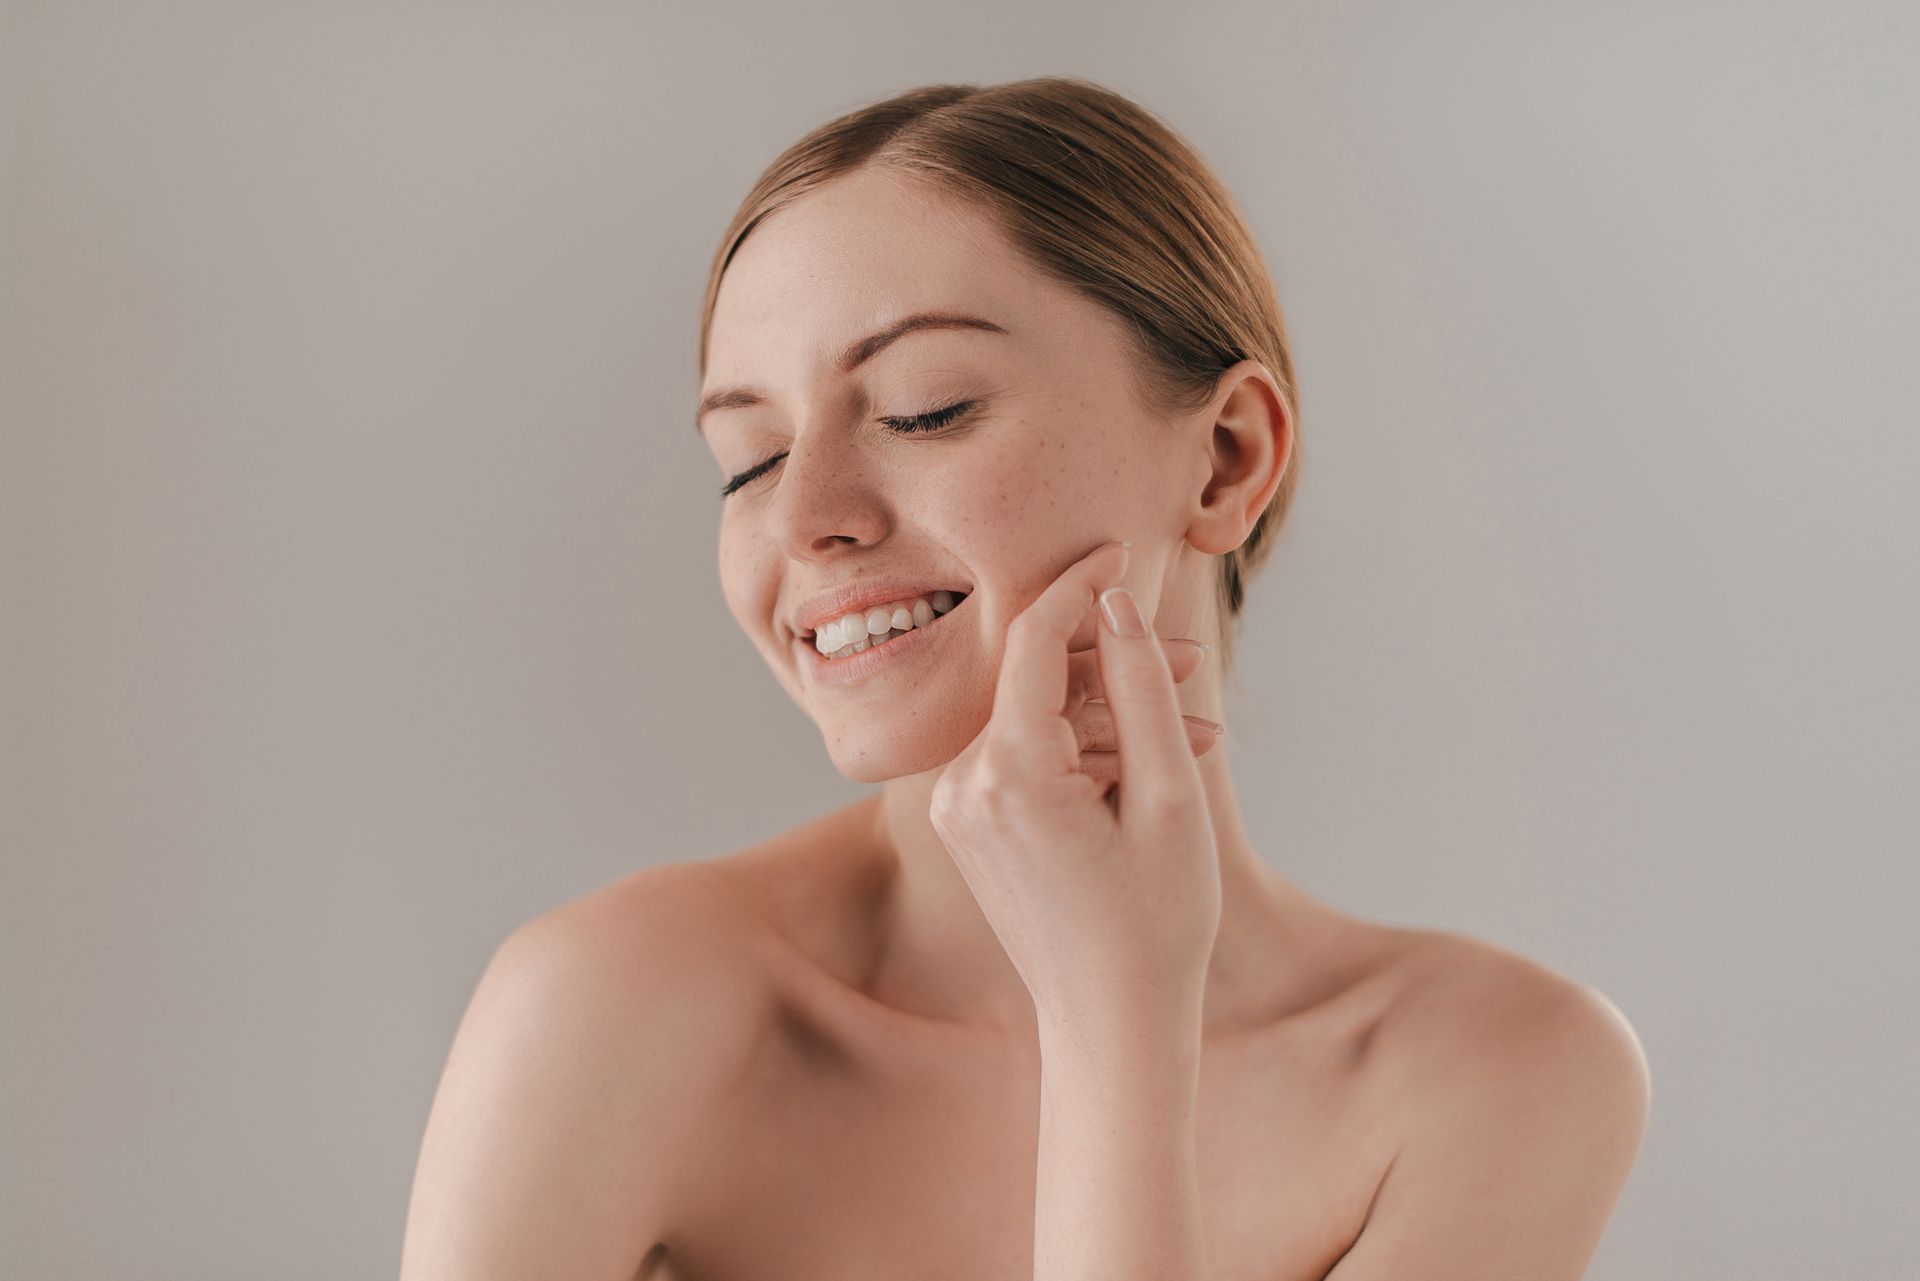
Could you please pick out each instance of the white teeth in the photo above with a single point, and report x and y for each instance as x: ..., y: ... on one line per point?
x: 854, y: 632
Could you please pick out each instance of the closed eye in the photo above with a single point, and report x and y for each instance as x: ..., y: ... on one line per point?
x: 933, y: 420
x: 929, y: 421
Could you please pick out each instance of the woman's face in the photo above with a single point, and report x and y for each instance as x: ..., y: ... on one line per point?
x: 1055, y: 455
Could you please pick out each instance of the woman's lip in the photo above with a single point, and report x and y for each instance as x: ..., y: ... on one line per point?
x: 833, y: 606
x: 855, y: 667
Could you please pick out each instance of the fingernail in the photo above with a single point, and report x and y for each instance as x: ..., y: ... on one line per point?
x: 1123, y: 616
x: 1215, y: 726
x: 1200, y: 645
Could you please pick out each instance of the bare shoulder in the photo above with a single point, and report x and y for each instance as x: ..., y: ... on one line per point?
x: 653, y: 978
x: 581, y: 1079
x: 1473, y: 1015
x: 714, y: 933
x: 1521, y: 1096
x: 673, y: 927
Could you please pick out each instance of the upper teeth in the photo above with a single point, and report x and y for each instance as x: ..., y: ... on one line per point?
x: 854, y: 632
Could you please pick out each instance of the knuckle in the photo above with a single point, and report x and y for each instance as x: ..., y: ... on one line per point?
x: 1029, y: 626
x: 1091, y: 719
x: 1171, y: 808
x: 940, y: 805
x: 953, y: 791
x: 996, y: 776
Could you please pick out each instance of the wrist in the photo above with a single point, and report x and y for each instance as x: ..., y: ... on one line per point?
x: 1164, y: 1028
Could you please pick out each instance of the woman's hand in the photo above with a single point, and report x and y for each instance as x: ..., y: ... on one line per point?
x: 1105, y: 896
x: 1092, y: 720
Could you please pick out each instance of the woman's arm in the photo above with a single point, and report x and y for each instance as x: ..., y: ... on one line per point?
x: 1118, y: 1194
x: 1107, y: 901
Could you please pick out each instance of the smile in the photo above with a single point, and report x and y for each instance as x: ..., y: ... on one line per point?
x: 903, y: 630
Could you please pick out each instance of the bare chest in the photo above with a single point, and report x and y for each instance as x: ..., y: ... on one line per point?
x: 867, y: 1158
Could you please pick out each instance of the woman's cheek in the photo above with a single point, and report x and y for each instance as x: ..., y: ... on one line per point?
x: 1017, y: 492
x: 746, y: 583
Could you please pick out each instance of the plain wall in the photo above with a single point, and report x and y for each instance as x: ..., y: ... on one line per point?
x: 359, y: 597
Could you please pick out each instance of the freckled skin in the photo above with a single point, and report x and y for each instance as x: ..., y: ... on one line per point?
x: 1061, y: 456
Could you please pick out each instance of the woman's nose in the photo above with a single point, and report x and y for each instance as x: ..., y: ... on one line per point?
x: 824, y: 499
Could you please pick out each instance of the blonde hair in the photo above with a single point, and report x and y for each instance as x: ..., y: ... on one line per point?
x: 1101, y: 195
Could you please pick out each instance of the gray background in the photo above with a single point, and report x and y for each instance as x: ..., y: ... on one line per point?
x: 359, y: 594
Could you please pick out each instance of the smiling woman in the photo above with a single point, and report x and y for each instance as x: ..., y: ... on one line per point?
x: 1002, y: 399
x: 1174, y: 267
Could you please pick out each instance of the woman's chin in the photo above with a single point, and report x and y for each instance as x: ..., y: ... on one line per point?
x: 878, y: 753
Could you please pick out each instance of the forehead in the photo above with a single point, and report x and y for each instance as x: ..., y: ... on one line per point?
x: 852, y: 255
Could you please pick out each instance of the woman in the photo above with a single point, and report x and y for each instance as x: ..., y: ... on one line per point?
x: 1034, y: 1008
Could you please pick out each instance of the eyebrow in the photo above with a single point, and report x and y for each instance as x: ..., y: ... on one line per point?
x: 851, y: 358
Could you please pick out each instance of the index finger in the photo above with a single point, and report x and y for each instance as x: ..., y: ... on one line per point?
x: 1184, y: 656
x: 1032, y: 685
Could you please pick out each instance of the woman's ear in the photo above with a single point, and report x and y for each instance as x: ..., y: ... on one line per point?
x: 1249, y: 442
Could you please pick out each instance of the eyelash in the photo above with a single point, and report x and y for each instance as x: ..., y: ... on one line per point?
x: 930, y: 421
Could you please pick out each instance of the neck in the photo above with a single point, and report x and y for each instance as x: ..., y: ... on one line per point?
x: 943, y: 960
